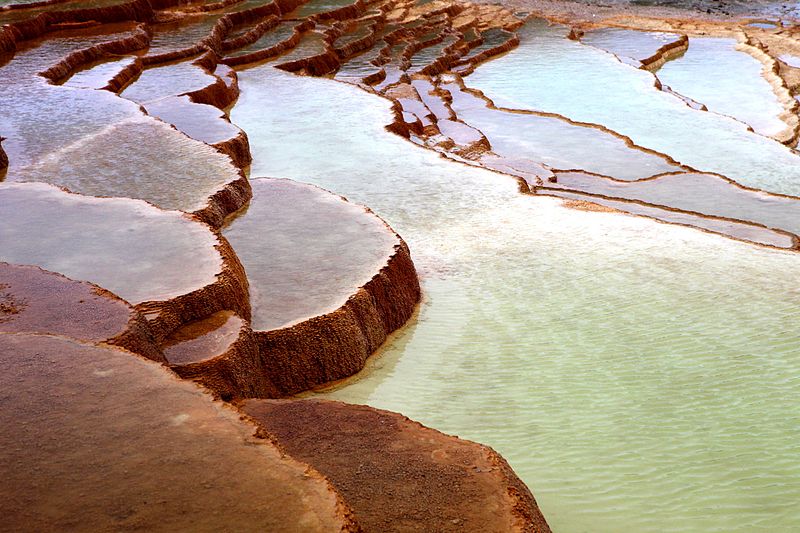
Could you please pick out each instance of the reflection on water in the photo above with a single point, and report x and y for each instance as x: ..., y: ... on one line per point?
x: 637, y: 375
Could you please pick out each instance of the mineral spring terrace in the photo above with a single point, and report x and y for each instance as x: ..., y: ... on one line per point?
x: 241, y: 237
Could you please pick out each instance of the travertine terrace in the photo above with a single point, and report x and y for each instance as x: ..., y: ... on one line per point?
x: 161, y: 303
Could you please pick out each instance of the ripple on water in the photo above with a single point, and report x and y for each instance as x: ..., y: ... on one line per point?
x: 637, y: 375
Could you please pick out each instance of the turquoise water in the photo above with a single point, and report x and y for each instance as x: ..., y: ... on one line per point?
x: 638, y: 376
x: 550, y: 73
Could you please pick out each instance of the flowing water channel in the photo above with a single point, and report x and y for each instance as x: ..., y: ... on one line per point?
x: 637, y: 375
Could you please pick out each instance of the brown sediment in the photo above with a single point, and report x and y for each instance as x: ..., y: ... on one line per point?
x: 232, y: 197
x: 337, y: 344
x: 232, y: 369
x: 375, y: 77
x: 220, y: 94
x: 238, y: 149
x: 398, y: 475
x: 469, y: 64
x: 229, y: 291
x: 448, y: 57
x: 252, y: 35
x: 215, y: 41
x: 96, y: 438
x: 124, y: 77
x: 315, y: 65
x: 366, y: 42
x: 585, y: 205
x: 211, y: 6
x: 351, y: 11
x: 11, y: 34
x: 33, y: 300
x: 3, y: 159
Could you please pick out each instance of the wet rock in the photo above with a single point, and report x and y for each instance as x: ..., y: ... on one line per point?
x: 3, y: 158
x: 96, y: 438
x: 398, y: 475
x: 33, y: 300
x: 318, y: 313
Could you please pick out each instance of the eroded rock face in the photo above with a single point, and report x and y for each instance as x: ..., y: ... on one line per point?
x: 222, y: 353
x: 328, y: 280
x: 3, y: 158
x: 398, y: 475
x: 95, y: 438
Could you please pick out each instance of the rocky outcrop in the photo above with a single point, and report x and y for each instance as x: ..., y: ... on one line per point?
x: 315, y: 65
x: 397, y: 475
x: 238, y: 149
x: 226, y: 201
x: 468, y: 64
x: 666, y: 53
x: 221, y: 353
x: 228, y: 291
x: 272, y: 51
x: 366, y: 42
x: 252, y: 35
x: 336, y: 345
x: 11, y: 34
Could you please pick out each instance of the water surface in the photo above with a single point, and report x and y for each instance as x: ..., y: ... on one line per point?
x: 550, y: 73
x: 727, y: 81
x: 610, y: 358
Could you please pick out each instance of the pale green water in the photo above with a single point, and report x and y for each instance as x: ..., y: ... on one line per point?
x: 638, y: 376
x: 550, y: 73
x: 727, y: 81
x: 555, y: 142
